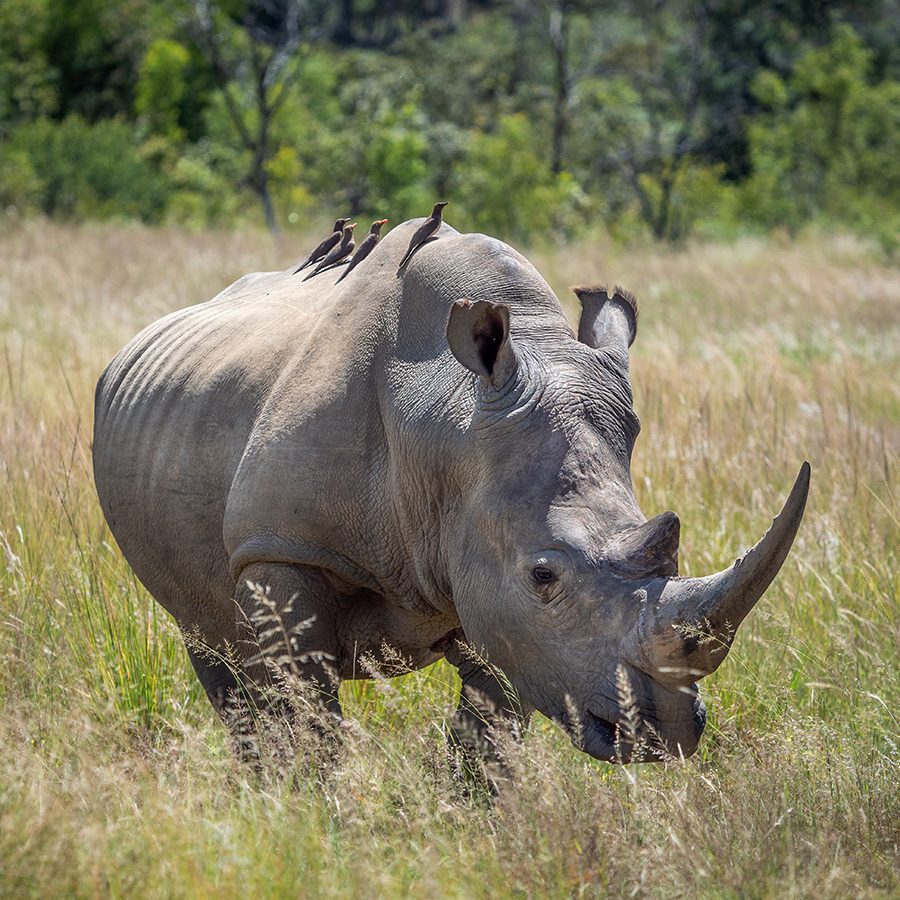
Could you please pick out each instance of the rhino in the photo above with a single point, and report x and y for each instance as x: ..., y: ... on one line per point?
x: 428, y: 463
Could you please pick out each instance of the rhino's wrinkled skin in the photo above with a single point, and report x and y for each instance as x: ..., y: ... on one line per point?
x: 326, y: 441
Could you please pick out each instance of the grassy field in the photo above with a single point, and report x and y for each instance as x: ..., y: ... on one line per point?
x: 115, y: 778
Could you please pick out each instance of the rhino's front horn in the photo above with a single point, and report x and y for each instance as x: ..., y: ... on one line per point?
x: 688, y: 624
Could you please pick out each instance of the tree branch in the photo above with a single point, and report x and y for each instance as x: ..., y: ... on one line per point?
x: 209, y: 42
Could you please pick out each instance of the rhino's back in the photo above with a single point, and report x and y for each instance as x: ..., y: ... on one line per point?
x: 174, y: 412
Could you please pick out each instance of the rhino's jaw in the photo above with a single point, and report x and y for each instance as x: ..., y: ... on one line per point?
x: 634, y: 738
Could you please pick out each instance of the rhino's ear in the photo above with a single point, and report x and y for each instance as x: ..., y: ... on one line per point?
x: 478, y: 334
x: 606, y: 321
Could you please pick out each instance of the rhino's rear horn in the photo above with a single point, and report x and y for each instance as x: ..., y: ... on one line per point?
x: 650, y: 549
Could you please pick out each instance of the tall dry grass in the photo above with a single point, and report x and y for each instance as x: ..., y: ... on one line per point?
x: 115, y: 779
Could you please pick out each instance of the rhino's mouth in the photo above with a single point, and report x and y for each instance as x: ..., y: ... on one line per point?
x: 598, y: 737
x: 616, y: 742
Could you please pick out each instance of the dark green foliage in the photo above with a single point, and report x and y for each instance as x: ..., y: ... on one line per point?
x: 27, y: 80
x: 828, y: 144
x: 506, y: 186
x: 95, y: 48
x: 75, y: 170
x: 537, y: 119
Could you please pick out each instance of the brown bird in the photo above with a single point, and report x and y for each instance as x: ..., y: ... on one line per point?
x: 423, y: 232
x: 325, y: 246
x: 336, y: 254
x: 365, y: 248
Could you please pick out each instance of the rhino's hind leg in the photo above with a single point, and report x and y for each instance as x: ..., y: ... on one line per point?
x: 488, y: 713
x: 288, y: 649
x: 217, y: 677
x: 220, y: 679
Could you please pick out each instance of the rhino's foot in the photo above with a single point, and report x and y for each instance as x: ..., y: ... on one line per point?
x: 479, y: 755
x: 486, y: 725
x: 285, y: 623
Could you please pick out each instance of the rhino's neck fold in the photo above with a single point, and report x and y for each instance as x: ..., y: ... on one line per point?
x: 502, y: 408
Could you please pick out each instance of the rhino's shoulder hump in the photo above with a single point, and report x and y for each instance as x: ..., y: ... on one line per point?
x: 481, y: 267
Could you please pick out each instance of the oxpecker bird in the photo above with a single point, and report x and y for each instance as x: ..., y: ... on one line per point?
x: 336, y: 254
x: 325, y: 246
x: 365, y: 248
x: 424, y: 232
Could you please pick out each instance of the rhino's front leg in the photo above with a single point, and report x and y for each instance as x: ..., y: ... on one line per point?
x: 488, y: 709
x: 289, y: 649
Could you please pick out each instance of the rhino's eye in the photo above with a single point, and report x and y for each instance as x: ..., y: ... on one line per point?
x: 543, y: 575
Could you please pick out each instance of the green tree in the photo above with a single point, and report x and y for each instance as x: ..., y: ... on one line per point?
x: 371, y: 152
x: 80, y: 170
x: 504, y: 186
x: 252, y: 49
x: 27, y: 78
x: 161, y: 86
x: 830, y: 143
x: 641, y: 122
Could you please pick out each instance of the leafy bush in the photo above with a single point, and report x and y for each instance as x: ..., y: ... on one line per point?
x: 202, y: 192
x: 161, y: 86
x: 84, y: 171
x: 503, y: 186
x: 364, y: 152
x: 292, y: 200
x: 20, y: 186
x: 829, y: 144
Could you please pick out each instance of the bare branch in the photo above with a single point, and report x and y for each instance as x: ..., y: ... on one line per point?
x: 209, y: 42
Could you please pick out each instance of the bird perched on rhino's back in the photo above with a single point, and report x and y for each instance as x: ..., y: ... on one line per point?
x: 365, y: 248
x: 322, y: 249
x: 338, y: 253
x: 424, y: 232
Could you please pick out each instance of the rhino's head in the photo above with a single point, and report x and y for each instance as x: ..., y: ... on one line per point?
x: 561, y: 581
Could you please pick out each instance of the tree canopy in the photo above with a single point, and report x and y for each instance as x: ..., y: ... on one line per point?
x: 535, y: 117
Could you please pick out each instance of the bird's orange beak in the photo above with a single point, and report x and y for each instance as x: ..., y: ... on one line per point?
x: 383, y: 221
